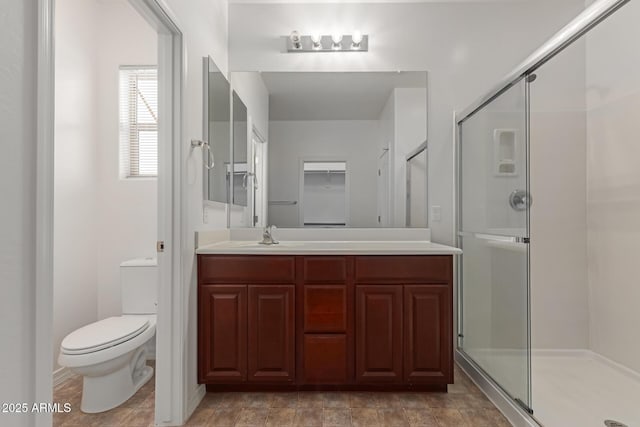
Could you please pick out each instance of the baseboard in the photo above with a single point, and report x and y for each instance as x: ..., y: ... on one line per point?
x: 514, y: 414
x: 194, y: 401
x: 61, y: 375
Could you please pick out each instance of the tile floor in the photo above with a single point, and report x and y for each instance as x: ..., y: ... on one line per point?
x: 135, y: 412
x: 463, y: 406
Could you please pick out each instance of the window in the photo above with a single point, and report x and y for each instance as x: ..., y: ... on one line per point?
x: 138, y: 122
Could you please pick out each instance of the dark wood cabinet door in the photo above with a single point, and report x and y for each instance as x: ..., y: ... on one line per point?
x: 428, y: 334
x: 325, y: 359
x: 271, y: 351
x: 223, y: 334
x: 378, y: 333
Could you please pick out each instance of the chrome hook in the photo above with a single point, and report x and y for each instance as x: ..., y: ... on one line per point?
x: 209, y: 162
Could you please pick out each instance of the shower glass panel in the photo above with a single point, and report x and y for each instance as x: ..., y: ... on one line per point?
x: 493, y: 234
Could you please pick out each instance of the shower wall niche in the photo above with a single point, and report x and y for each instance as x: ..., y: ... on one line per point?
x: 505, y: 146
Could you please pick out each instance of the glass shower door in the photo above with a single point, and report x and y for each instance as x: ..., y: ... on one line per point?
x: 493, y: 226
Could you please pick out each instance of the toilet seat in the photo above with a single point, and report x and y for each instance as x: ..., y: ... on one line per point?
x: 113, y: 350
x: 103, y: 334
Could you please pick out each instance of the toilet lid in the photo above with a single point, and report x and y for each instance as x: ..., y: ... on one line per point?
x: 103, y: 334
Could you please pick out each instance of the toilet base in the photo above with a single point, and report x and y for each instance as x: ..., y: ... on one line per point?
x: 104, y: 392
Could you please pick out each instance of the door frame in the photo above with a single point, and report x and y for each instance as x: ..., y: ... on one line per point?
x: 422, y: 148
x: 347, y: 184
x: 257, y: 140
x: 171, y: 396
x: 384, y: 203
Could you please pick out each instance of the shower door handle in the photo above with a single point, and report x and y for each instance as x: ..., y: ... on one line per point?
x: 496, y: 238
x: 520, y: 200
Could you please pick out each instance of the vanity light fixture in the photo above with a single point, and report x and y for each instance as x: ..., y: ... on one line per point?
x: 296, y: 40
x: 337, y: 42
x: 356, y: 40
x: 316, y: 41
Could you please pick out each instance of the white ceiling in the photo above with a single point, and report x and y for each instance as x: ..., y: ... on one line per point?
x: 334, y: 96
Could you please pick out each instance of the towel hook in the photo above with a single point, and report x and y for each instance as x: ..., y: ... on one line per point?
x: 209, y: 160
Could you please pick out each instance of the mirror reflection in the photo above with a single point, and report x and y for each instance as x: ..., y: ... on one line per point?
x: 242, y: 174
x: 217, y: 132
x: 417, y: 207
x: 340, y: 147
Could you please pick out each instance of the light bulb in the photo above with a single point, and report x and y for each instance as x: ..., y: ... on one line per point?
x: 316, y: 39
x: 337, y: 41
x: 356, y: 39
x: 295, y: 40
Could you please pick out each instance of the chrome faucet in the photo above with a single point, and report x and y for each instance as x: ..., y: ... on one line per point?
x: 267, y: 237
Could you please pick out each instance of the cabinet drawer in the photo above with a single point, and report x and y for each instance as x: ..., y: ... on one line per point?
x: 246, y: 269
x: 325, y: 269
x: 325, y: 308
x: 403, y: 269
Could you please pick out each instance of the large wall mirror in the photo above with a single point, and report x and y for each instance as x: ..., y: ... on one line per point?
x: 339, y: 145
x: 217, y: 132
x: 345, y: 149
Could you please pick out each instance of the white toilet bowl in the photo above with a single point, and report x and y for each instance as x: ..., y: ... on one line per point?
x: 111, y: 356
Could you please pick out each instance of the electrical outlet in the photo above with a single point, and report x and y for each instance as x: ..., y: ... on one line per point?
x: 205, y: 215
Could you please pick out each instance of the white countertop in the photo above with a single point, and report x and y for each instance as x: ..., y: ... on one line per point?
x: 360, y: 247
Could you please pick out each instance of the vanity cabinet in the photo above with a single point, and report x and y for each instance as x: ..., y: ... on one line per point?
x: 271, y: 333
x: 404, y: 327
x: 223, y: 333
x: 352, y: 322
x: 427, y: 334
x: 326, y: 320
x: 379, y: 334
x: 246, y: 319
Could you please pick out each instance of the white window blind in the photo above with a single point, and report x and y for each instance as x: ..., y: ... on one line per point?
x: 138, y: 122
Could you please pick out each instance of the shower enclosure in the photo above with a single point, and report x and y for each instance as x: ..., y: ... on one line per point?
x: 493, y: 234
x: 548, y: 218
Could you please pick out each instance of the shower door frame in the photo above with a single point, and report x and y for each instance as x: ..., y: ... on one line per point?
x: 577, y: 28
x: 522, y: 405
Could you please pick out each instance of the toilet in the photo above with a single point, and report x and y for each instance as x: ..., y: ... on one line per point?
x: 111, y: 354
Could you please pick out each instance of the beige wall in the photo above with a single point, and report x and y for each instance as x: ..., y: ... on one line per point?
x: 559, y: 291
x: 204, y: 24
x: 586, y: 186
x: 613, y: 186
x: 75, y: 265
x: 18, y: 103
x: 465, y: 46
x: 127, y: 208
x: 100, y: 220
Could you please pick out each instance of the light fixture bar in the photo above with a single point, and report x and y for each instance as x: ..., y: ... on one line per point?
x: 297, y: 43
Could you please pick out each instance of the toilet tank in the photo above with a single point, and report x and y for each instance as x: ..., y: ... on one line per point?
x: 139, y: 283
